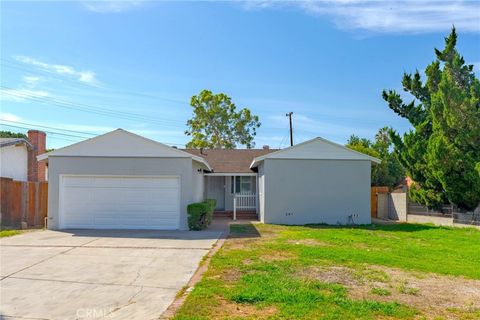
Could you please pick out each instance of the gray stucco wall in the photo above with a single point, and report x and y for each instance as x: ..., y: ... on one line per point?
x: 181, y: 167
x: 316, y: 191
x: 198, y: 183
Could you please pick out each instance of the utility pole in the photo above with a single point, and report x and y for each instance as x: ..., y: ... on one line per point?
x: 289, y: 115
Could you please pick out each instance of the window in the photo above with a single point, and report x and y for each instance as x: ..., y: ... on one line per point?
x: 240, y: 184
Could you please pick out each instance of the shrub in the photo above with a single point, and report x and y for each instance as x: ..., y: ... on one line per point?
x: 200, y: 214
x: 212, y: 203
x: 197, y: 215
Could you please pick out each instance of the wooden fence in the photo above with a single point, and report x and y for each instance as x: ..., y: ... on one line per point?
x: 22, y: 201
x: 374, y: 201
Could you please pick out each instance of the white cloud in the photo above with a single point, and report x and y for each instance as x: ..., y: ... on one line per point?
x: 107, y: 6
x: 389, y: 16
x: 21, y: 95
x: 87, y: 77
x: 9, y: 117
x: 31, y: 81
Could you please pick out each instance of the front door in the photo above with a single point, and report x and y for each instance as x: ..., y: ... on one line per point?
x: 216, y: 190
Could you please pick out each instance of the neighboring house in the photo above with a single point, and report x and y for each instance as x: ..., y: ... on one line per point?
x: 120, y: 180
x: 18, y: 157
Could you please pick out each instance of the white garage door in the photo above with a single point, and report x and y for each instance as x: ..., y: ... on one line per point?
x: 119, y: 202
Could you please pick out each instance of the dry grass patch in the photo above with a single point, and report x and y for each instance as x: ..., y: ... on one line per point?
x: 434, y: 295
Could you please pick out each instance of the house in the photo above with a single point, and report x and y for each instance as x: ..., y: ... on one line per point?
x: 121, y: 180
x: 18, y: 157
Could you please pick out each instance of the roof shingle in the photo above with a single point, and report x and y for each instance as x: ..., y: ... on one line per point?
x: 230, y: 160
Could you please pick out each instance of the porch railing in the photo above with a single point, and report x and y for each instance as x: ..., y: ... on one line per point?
x: 244, y: 202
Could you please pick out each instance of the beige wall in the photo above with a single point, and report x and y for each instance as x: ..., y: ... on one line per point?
x: 397, y: 206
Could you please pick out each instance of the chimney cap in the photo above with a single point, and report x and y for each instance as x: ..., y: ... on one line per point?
x: 32, y: 131
x: 266, y: 147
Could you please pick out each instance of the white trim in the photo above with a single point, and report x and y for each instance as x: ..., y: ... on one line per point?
x: 257, y: 160
x: 62, y: 181
x: 231, y: 174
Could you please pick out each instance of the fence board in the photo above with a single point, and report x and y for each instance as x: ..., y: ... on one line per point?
x: 373, y: 199
x: 22, y: 201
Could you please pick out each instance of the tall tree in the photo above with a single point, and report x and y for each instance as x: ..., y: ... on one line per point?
x: 389, y: 172
x: 216, y: 123
x: 442, y: 150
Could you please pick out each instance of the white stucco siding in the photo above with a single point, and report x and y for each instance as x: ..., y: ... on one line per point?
x: 261, y: 192
x: 300, y: 192
x: 14, y: 162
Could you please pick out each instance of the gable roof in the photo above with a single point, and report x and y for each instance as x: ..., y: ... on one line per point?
x: 317, y: 148
x: 121, y: 143
x: 5, y: 142
x: 230, y: 161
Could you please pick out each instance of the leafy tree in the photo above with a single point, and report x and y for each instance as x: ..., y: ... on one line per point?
x: 217, y: 124
x: 389, y: 172
x: 442, y: 150
x: 10, y: 134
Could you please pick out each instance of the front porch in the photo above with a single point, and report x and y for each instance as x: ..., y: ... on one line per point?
x: 236, y: 194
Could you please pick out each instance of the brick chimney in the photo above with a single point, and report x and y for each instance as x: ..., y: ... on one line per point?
x: 36, y: 170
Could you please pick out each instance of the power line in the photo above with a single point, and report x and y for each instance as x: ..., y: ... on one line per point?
x: 88, y: 108
x: 47, y: 127
x: 34, y: 126
x: 50, y: 132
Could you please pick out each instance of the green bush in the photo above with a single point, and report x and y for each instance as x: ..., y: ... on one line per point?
x: 200, y: 214
x: 212, y: 203
x: 197, y: 215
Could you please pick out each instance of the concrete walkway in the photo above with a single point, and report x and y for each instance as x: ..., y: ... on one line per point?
x: 87, y: 274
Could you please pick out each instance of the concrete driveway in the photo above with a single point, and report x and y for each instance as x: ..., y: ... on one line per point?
x: 86, y: 274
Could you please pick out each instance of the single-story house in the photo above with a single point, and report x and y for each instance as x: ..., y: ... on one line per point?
x: 121, y: 180
x: 18, y: 157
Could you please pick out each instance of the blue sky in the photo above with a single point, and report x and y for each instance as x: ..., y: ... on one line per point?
x: 90, y: 67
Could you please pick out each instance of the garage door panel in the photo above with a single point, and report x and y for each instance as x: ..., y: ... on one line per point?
x: 120, y: 202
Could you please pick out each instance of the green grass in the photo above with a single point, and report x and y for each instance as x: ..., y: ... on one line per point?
x: 8, y: 233
x: 265, y: 271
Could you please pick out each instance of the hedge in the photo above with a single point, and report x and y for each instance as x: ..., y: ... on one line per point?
x: 200, y: 214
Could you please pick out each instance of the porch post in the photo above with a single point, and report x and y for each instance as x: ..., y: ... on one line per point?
x: 256, y: 194
x: 234, y: 207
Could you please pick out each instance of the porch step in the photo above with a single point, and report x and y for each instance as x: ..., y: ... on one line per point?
x: 240, y: 215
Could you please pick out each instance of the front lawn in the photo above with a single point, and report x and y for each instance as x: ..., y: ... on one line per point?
x: 319, y: 272
x: 8, y: 233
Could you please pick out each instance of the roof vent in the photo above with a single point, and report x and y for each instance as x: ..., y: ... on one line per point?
x: 266, y: 147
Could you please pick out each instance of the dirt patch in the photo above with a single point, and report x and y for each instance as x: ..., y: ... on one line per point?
x: 310, y: 242
x: 241, y: 244
x: 278, y: 256
x: 226, y: 309
x: 433, y: 295
x: 231, y: 275
x: 338, y: 275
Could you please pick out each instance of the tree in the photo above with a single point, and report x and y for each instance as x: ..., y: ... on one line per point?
x: 10, y: 134
x: 389, y: 172
x: 217, y: 124
x: 442, y: 150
